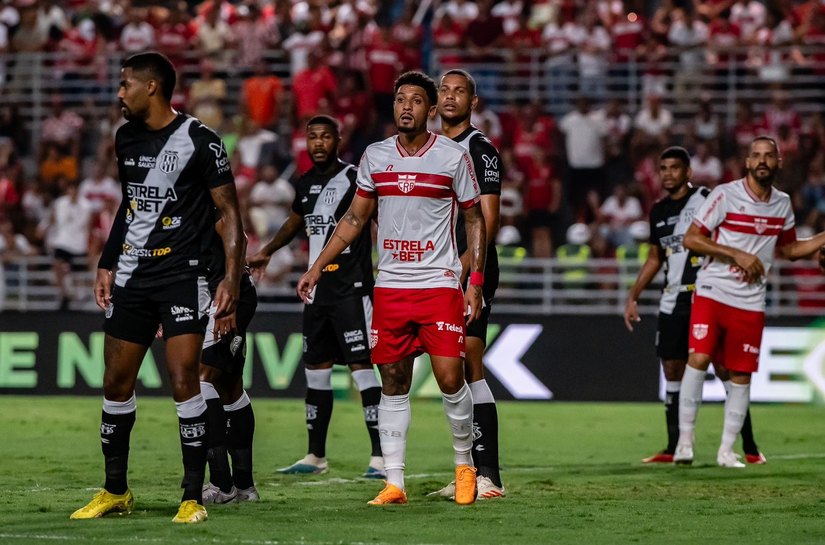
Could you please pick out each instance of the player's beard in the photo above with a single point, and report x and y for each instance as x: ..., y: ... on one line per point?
x: 764, y: 180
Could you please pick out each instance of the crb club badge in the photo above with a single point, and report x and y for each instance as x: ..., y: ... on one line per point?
x: 700, y: 331
x: 406, y: 182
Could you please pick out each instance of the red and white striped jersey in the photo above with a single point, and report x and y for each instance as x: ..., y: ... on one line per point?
x: 418, y: 199
x: 733, y: 216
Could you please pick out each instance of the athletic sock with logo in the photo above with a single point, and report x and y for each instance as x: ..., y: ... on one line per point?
x: 736, y: 407
x: 116, y: 422
x: 319, y: 409
x: 690, y: 399
x: 458, y: 408
x: 219, y: 473
x: 370, y: 390
x: 672, y: 388
x: 194, y: 446
x: 748, y: 441
x: 241, y: 430
x: 393, y: 422
x: 485, y: 431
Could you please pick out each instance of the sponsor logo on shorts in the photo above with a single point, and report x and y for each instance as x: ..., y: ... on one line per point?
x: 192, y: 431
x: 446, y: 326
x: 358, y: 347
x: 129, y: 162
x: 182, y: 314
x: 373, y: 338
x: 235, y: 344
x: 354, y: 336
x: 750, y: 349
x: 110, y: 309
x: 700, y: 331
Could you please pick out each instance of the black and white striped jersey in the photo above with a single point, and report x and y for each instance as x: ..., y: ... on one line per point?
x: 322, y: 200
x: 487, y: 166
x: 669, y: 221
x: 166, y: 222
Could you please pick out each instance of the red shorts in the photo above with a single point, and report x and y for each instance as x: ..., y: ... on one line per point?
x: 730, y: 336
x: 412, y: 321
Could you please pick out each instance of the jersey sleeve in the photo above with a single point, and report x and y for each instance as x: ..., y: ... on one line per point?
x: 366, y: 185
x: 213, y: 162
x: 788, y: 234
x: 712, y: 212
x: 486, y: 165
x: 465, y: 184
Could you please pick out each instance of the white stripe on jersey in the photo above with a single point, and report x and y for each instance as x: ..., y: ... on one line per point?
x: 737, y: 219
x: 418, y: 197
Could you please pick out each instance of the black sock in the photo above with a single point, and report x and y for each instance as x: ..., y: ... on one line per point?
x: 369, y: 400
x: 319, y: 413
x: 115, y: 430
x: 672, y: 420
x: 194, y: 441
x: 241, y: 429
x: 748, y: 442
x: 485, y: 441
x: 219, y: 473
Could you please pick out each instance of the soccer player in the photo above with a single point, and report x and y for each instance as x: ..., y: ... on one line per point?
x: 417, y: 181
x: 669, y: 220
x: 174, y: 172
x: 336, y: 320
x: 456, y: 101
x: 737, y: 228
x: 229, y: 410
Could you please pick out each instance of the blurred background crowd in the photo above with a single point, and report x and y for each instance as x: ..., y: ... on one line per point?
x: 580, y: 96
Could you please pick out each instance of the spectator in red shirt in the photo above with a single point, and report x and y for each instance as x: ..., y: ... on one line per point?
x: 261, y: 94
x: 542, y: 199
x: 313, y: 86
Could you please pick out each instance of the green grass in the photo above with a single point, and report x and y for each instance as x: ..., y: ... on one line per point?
x: 572, y: 473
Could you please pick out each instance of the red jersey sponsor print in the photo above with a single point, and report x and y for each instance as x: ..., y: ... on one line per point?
x: 418, y: 200
x: 733, y: 216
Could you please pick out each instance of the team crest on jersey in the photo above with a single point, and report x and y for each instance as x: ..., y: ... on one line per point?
x: 406, y: 182
x: 168, y: 162
x: 760, y: 224
x: 329, y: 196
x: 700, y: 331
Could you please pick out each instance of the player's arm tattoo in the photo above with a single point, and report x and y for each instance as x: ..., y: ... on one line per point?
x: 476, y: 237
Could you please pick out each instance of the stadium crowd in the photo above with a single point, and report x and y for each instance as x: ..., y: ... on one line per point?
x: 573, y: 155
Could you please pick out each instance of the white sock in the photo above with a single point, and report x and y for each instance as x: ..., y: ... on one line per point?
x: 192, y: 407
x: 319, y: 379
x: 673, y: 386
x: 481, y: 392
x: 365, y: 379
x: 393, y: 422
x: 736, y: 407
x: 459, y: 410
x: 690, y: 400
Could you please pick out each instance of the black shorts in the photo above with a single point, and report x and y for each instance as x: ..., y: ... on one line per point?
x: 672, y: 336
x: 181, y: 307
x: 229, y: 355
x: 77, y: 262
x: 338, y: 333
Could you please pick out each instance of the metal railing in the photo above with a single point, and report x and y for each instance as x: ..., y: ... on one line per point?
x: 527, y: 287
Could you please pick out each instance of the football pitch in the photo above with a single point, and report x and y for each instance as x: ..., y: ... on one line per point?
x: 572, y: 472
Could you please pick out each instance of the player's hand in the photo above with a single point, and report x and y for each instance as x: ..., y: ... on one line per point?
x: 103, y: 288
x: 226, y: 298
x: 750, y: 265
x: 631, y: 314
x: 473, y: 301
x: 258, y: 261
x: 307, y: 283
x: 224, y: 326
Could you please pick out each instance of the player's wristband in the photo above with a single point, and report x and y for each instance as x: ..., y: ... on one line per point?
x: 476, y: 279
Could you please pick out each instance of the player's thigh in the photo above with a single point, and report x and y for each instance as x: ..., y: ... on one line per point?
x: 351, y: 319
x: 743, y: 338
x: 705, y: 332
x: 184, y: 307
x: 672, y: 343
x: 448, y: 373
